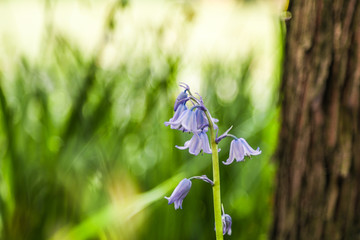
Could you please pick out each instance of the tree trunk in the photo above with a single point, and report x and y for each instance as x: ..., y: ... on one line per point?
x: 318, y: 178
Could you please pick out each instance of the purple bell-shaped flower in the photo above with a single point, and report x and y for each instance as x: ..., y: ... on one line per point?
x: 198, y: 142
x: 180, y: 192
x: 239, y: 148
x: 181, y: 100
x: 226, y: 222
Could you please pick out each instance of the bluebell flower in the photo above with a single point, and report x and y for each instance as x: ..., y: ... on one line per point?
x: 226, y: 222
x: 239, y: 148
x: 176, y: 120
x: 179, y: 108
x: 184, y: 119
x: 181, y: 100
x: 180, y: 192
x: 198, y: 142
x: 202, y: 121
x: 188, y: 121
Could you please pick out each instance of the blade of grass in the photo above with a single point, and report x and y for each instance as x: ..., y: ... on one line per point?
x: 7, y: 194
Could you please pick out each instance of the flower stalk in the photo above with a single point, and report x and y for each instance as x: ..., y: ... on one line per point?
x: 216, y: 175
x: 216, y: 179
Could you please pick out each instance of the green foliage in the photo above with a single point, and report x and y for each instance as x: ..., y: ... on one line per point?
x: 85, y: 153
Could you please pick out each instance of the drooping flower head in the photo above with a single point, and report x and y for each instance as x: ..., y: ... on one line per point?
x: 188, y: 120
x: 226, y: 222
x: 176, y: 120
x: 183, y: 188
x: 191, y: 119
x: 239, y: 148
x: 179, y: 193
x: 184, y: 120
x: 199, y: 142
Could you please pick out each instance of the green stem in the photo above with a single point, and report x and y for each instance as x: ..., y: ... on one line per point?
x: 216, y: 175
x: 216, y: 179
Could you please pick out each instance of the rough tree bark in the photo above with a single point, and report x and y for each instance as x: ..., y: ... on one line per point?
x: 318, y: 179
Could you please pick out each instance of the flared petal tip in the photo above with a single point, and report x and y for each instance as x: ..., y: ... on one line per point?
x: 177, y: 205
x: 228, y: 162
x: 169, y: 200
x: 256, y: 152
x: 181, y: 147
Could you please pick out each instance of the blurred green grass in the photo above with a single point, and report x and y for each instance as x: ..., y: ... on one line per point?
x: 85, y: 88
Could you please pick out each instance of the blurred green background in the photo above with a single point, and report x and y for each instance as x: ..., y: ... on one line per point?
x: 85, y: 89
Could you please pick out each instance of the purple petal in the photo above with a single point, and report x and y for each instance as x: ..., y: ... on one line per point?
x: 186, y: 145
x: 227, y: 222
x: 181, y: 108
x: 169, y: 200
x: 205, y: 143
x: 179, y: 193
x: 238, y: 150
x: 249, y: 150
x: 198, y: 142
x: 195, y: 145
x: 231, y: 154
x: 189, y: 121
x: 180, y: 100
x: 201, y: 119
x: 178, y: 117
x: 177, y: 204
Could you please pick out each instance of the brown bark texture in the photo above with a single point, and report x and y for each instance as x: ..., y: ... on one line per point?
x: 318, y: 178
